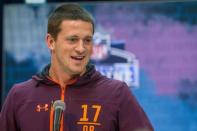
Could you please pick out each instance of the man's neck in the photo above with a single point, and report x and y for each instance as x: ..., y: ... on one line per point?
x: 61, y: 77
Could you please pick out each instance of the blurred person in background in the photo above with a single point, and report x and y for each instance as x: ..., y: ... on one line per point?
x: 93, y: 101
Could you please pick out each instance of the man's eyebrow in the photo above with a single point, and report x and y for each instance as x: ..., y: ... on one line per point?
x: 73, y: 36
x: 89, y: 36
x: 76, y: 36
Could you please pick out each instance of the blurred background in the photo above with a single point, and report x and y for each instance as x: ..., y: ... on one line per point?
x: 151, y: 45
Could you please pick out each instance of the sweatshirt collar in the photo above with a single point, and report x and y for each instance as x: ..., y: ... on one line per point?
x: 90, y: 75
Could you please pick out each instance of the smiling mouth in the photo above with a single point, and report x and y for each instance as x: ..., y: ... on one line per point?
x: 79, y: 58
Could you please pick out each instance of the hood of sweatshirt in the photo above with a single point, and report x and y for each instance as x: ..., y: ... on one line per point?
x: 91, y: 75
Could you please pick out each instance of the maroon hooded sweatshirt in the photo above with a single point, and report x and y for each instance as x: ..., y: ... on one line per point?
x: 93, y: 103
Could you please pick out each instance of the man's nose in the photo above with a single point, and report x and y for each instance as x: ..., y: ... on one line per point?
x: 80, y: 47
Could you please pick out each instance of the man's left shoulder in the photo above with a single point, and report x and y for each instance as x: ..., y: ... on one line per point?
x: 109, y: 84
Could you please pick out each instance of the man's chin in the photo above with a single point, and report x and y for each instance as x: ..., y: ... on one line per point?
x: 78, y: 72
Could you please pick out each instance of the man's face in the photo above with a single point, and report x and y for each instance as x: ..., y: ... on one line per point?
x: 73, y: 46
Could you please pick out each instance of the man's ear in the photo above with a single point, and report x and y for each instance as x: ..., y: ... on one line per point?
x: 50, y: 42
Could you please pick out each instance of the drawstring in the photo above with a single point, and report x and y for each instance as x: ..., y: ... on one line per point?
x: 51, y: 117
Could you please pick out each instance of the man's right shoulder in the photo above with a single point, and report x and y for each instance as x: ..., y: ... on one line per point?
x: 23, y: 86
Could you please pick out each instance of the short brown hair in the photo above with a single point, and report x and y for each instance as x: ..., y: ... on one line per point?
x: 67, y: 12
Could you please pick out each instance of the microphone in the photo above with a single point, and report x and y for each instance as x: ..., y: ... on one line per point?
x: 59, y: 107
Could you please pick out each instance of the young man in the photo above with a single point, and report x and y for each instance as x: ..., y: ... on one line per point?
x: 93, y: 102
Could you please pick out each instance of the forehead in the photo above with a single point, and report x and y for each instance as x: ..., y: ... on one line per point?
x: 76, y: 27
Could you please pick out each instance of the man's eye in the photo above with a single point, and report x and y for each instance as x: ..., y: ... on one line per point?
x: 72, y: 39
x: 88, y: 40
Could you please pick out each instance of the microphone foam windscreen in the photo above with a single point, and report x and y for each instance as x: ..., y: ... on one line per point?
x: 59, y: 104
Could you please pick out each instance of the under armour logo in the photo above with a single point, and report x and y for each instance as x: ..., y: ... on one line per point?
x: 42, y: 107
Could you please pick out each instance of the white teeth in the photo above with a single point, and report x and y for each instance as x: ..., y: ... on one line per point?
x: 78, y: 57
